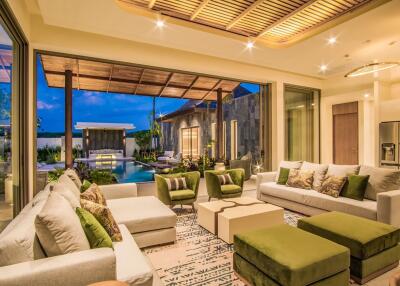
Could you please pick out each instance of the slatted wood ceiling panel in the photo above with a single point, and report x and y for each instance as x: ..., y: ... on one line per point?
x: 276, y: 21
x: 108, y: 77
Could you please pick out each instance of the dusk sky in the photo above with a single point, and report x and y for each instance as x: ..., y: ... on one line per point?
x: 89, y: 106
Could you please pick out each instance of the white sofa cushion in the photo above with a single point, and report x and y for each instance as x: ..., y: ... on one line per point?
x: 319, y: 172
x: 18, y: 242
x: 366, y: 208
x: 132, y: 266
x: 58, y: 227
x: 342, y: 170
x: 288, y: 165
x: 380, y: 180
x: 142, y: 213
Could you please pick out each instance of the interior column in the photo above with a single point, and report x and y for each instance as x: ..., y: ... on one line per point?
x: 68, y: 119
x: 220, y: 135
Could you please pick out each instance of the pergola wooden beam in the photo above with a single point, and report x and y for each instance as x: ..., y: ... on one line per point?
x: 109, y: 79
x: 138, y: 82
x: 166, y: 84
x: 211, y: 90
x: 190, y: 86
x: 151, y: 3
x: 286, y: 17
x: 199, y: 9
x: 244, y: 14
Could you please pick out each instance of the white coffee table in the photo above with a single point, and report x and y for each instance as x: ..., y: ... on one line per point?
x: 227, y: 217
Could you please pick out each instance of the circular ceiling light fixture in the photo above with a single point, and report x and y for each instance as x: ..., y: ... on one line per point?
x: 371, y: 68
x: 250, y: 44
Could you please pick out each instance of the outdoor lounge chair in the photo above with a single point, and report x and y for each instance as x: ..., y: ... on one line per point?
x: 167, y: 156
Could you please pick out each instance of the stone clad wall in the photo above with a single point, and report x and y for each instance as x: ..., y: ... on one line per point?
x: 245, y: 109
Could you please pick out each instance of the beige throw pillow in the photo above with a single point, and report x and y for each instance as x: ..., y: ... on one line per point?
x: 64, y: 179
x: 302, y: 179
x: 58, y: 227
x: 380, y: 180
x: 64, y: 190
x: 342, y: 170
x: 74, y: 177
x: 332, y: 186
x: 319, y: 172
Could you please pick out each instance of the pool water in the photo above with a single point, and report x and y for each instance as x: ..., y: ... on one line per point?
x: 132, y: 172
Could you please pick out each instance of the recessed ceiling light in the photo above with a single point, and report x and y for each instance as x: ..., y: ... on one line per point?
x: 332, y: 40
x: 250, y: 44
x: 366, y: 95
x: 323, y: 68
x: 160, y: 23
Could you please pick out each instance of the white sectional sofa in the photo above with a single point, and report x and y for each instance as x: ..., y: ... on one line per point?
x: 143, y: 221
x: 386, y: 207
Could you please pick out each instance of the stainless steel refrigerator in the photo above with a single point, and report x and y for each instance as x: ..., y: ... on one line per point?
x: 389, y: 142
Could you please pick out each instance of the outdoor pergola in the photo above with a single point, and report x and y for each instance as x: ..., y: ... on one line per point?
x: 82, y: 74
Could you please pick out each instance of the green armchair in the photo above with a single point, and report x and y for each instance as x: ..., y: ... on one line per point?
x: 218, y: 191
x: 178, y: 197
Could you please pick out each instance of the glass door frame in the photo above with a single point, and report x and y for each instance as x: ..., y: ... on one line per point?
x: 19, y: 105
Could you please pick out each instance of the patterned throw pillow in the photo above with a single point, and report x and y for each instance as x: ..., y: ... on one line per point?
x: 105, y: 218
x: 225, y: 179
x: 332, y: 185
x: 94, y: 194
x: 175, y: 184
x: 302, y: 179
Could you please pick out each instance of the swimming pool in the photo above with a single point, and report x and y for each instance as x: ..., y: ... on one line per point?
x: 132, y: 172
x: 126, y: 171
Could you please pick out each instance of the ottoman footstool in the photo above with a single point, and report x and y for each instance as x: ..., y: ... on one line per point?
x: 288, y: 256
x: 373, y: 245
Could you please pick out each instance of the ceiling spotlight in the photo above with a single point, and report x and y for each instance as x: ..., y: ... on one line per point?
x: 332, y: 40
x: 323, y: 68
x: 250, y: 44
x: 160, y: 23
x: 366, y: 95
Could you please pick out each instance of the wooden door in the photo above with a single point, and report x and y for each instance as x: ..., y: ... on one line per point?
x: 345, y: 133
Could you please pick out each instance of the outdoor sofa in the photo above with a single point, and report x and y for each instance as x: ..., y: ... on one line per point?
x: 143, y: 221
x: 381, y: 202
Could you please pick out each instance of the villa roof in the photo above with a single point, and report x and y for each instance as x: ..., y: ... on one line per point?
x: 103, y: 125
x: 129, y: 79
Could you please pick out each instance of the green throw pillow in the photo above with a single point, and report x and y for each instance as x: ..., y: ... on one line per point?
x: 95, y: 232
x: 355, y: 187
x: 85, y: 185
x: 283, y: 176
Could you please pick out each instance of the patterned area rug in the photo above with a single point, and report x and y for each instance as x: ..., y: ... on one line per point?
x: 198, y: 257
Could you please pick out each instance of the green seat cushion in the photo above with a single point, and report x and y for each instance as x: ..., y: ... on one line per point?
x: 362, y: 236
x: 290, y: 255
x: 258, y: 278
x: 283, y: 176
x: 230, y: 189
x: 182, y: 195
x: 355, y: 187
x: 94, y: 231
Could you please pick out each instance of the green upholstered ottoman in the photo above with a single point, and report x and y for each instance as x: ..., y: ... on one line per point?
x: 285, y: 255
x: 373, y: 245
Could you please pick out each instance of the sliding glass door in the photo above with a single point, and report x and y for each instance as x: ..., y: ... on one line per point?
x: 190, y: 142
x: 13, y: 119
x: 301, y: 124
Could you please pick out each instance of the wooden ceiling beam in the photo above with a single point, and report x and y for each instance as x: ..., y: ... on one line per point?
x: 151, y: 4
x: 190, y: 86
x: 109, y: 79
x: 244, y: 14
x: 137, y: 82
x: 286, y: 17
x: 199, y: 9
x: 140, y: 81
x: 211, y: 90
x: 166, y: 84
